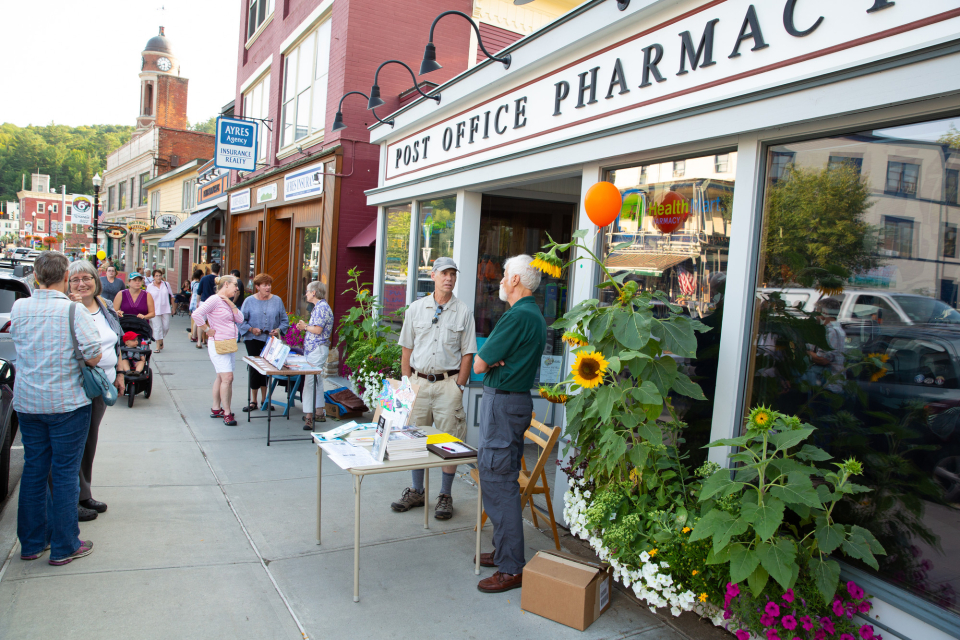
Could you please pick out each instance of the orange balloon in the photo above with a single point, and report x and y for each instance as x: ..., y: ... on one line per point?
x: 670, y: 213
x: 603, y: 203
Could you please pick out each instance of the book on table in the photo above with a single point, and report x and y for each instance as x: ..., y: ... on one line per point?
x: 381, y: 434
x: 407, y: 444
x: 450, y: 450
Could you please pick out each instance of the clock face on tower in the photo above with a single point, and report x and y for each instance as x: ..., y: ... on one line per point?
x: 164, y: 64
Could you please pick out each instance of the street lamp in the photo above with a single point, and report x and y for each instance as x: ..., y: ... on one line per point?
x: 97, y: 181
x: 338, y: 119
x: 375, y: 100
x: 430, y: 53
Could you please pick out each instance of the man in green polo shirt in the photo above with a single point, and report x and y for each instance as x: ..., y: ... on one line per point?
x: 509, y: 358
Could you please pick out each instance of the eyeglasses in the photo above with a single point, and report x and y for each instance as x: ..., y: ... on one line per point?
x: 436, y: 315
x: 76, y: 281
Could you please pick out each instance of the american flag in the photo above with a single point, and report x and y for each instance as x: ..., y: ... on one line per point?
x: 100, y: 214
x: 688, y: 282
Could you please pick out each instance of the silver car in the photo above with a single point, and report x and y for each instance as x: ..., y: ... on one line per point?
x: 13, y: 286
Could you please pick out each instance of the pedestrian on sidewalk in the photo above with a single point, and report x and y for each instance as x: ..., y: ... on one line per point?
x: 194, y: 301
x: 112, y: 285
x: 219, y: 318
x: 134, y: 300
x: 86, y: 288
x: 241, y: 290
x: 316, y: 347
x: 438, y: 339
x: 162, y: 296
x: 53, y: 411
x: 263, y: 317
x: 208, y: 287
x: 509, y: 359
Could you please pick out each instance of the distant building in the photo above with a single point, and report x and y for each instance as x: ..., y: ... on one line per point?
x: 43, y: 211
x: 160, y: 144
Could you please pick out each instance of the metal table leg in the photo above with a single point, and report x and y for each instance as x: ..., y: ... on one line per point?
x: 426, y: 497
x: 269, y: 414
x: 356, y: 539
x: 319, y: 471
x: 476, y: 569
x: 248, y: 393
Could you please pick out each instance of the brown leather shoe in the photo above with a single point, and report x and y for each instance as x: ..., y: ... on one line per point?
x: 486, y: 560
x: 500, y: 582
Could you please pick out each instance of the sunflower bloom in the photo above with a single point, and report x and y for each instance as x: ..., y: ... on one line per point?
x: 761, y: 418
x: 554, y: 394
x: 548, y: 263
x: 574, y: 339
x: 588, y: 369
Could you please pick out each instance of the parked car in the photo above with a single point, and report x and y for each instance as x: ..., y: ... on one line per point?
x: 8, y: 423
x: 12, y: 288
x: 877, y: 305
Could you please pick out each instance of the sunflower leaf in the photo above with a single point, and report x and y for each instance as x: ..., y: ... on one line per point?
x: 683, y: 385
x: 646, y: 393
x: 621, y: 246
x: 580, y: 234
x: 662, y: 372
x: 631, y: 329
x: 676, y: 336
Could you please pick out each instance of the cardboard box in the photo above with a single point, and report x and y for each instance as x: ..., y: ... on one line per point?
x: 566, y: 589
x: 333, y: 411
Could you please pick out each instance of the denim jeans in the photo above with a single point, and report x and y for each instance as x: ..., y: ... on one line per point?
x: 52, y: 448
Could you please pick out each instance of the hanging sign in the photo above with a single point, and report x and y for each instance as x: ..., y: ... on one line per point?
x: 114, y: 233
x: 236, y: 145
x: 82, y: 209
x: 166, y: 221
x: 670, y: 213
x: 240, y: 201
x: 137, y: 226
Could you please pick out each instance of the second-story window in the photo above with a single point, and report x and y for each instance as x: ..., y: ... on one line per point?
x: 257, y: 13
x: 111, y: 198
x: 305, y: 86
x: 902, y: 178
x: 123, y: 195
x: 189, y: 194
x: 154, y: 205
x: 144, y: 178
x: 256, y: 104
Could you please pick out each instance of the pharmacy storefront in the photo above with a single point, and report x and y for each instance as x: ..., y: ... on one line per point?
x: 782, y: 165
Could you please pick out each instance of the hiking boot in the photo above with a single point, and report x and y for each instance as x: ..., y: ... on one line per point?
x: 410, y: 498
x: 86, y: 548
x: 444, y: 510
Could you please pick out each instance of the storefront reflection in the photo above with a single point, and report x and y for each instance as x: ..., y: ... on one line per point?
x: 856, y: 331
x: 435, y: 238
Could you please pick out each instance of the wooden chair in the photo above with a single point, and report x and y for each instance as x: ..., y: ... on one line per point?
x: 535, y: 482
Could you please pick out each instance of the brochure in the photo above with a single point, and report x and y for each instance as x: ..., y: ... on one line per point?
x: 346, y: 455
x: 275, y: 352
x: 339, y: 432
x: 381, y: 435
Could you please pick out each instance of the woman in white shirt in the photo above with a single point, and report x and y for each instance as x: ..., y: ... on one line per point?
x: 85, y: 288
x: 162, y: 295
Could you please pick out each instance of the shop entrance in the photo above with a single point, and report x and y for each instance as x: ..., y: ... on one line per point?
x: 511, y: 226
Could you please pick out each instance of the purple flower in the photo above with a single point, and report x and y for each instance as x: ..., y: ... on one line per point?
x: 789, y: 623
x: 788, y: 595
x: 772, y: 634
x: 819, y: 634
x: 733, y: 589
x: 772, y: 609
x: 827, y: 625
x: 847, y: 636
x: 838, y: 607
x: 742, y: 635
x: 855, y: 592
x: 727, y: 615
x: 806, y: 622
x: 864, y: 606
x: 767, y: 620
x: 866, y: 632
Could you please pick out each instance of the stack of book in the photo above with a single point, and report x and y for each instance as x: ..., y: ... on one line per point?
x: 407, y: 444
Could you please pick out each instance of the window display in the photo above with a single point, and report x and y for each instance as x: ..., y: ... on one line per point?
x: 309, y: 267
x: 856, y: 331
x: 435, y: 238
x: 396, y: 253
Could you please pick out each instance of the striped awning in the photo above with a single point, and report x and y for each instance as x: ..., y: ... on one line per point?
x: 185, y: 227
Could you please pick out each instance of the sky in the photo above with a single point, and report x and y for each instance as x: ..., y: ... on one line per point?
x: 77, y: 62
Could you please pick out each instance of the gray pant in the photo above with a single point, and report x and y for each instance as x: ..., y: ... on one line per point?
x: 97, y: 409
x: 503, y: 419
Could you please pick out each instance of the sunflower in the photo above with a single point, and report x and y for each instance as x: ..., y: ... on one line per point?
x: 554, y: 394
x: 548, y: 263
x: 882, y: 371
x: 588, y: 369
x: 574, y: 339
x: 761, y: 418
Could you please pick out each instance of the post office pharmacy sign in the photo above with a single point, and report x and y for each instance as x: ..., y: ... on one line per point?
x: 675, y: 61
x: 304, y: 182
x: 236, y: 144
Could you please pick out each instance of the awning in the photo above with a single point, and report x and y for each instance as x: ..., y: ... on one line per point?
x: 185, y: 227
x: 646, y: 264
x: 365, y: 238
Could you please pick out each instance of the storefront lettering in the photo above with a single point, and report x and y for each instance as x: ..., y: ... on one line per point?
x: 788, y: 24
x: 410, y: 154
x: 750, y: 22
x: 704, y: 49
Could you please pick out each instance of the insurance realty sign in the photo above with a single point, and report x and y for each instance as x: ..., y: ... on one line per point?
x: 679, y: 59
x: 236, y: 144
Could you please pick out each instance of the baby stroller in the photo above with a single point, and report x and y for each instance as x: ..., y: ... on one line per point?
x: 143, y: 381
x: 182, y: 300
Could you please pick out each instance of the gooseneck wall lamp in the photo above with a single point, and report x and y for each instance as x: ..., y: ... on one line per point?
x: 430, y: 53
x: 338, y: 119
x: 375, y: 100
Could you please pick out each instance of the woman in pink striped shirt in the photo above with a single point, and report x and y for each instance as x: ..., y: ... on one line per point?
x: 219, y: 318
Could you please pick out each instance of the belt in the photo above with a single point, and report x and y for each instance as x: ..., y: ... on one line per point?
x: 504, y: 392
x: 437, y: 377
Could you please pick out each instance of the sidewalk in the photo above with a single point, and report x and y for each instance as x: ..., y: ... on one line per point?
x: 210, y: 534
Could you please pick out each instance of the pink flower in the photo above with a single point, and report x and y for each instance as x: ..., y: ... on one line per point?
x: 772, y: 609
x: 819, y: 634
x: 806, y: 622
x: 727, y: 615
x: 772, y: 634
x: 788, y: 595
x: 789, y: 623
x: 838, y: 607
x: 733, y: 589
x: 864, y: 606
x: 855, y: 592
x: 743, y: 635
x: 847, y: 636
x: 866, y: 632
x: 827, y: 625
x: 767, y: 620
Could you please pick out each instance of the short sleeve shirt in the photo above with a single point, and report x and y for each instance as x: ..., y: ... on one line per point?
x: 518, y: 340
x: 321, y: 316
x: 438, y: 347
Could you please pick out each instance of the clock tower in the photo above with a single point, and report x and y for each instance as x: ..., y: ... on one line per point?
x: 163, y: 93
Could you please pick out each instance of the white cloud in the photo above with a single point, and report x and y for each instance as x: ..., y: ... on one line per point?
x: 77, y: 63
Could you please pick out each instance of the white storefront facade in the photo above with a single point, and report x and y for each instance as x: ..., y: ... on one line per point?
x: 785, y: 125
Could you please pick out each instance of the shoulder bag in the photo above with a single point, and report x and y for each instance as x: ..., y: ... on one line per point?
x: 223, y: 347
x: 95, y: 382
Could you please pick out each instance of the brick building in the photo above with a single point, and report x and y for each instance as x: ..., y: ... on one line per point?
x: 160, y: 144
x: 45, y: 212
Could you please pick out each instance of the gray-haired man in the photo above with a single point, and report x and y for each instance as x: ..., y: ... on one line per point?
x: 438, y: 340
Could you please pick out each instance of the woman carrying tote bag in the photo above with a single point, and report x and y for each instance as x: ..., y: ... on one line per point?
x: 218, y: 317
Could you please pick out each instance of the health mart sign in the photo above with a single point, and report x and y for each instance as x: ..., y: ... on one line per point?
x: 675, y: 61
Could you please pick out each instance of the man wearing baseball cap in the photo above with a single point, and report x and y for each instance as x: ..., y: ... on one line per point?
x: 439, y: 339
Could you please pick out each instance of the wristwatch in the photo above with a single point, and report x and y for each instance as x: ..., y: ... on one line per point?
x: 462, y: 386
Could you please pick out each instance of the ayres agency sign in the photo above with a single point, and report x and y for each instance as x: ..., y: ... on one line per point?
x: 718, y: 50
x: 236, y: 145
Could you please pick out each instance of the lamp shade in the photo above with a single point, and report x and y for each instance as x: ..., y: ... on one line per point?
x: 338, y: 122
x: 375, y: 100
x: 97, y: 180
x: 429, y: 60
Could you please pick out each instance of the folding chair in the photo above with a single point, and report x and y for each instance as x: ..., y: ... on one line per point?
x: 292, y: 386
x: 529, y: 484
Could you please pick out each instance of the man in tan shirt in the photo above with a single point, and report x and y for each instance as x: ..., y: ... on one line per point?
x: 438, y: 340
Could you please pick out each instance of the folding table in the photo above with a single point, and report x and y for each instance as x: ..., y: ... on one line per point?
x: 267, y: 369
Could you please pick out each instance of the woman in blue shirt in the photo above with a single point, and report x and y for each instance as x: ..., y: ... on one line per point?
x: 263, y: 316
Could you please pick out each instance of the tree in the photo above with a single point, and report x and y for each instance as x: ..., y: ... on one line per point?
x: 951, y: 137
x: 207, y: 126
x: 815, y: 226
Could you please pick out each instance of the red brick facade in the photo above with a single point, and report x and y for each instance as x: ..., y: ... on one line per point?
x: 178, y: 147
x: 172, y: 102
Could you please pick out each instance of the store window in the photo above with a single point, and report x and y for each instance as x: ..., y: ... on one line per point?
x: 257, y: 13
x: 305, y: 86
x: 860, y: 339
x: 256, y: 104
x: 681, y: 252
x: 435, y: 238
x: 248, y: 258
x: 509, y: 227
x: 396, y: 250
x: 309, y: 266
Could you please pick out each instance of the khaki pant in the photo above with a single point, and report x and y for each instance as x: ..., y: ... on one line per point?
x: 440, y: 404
